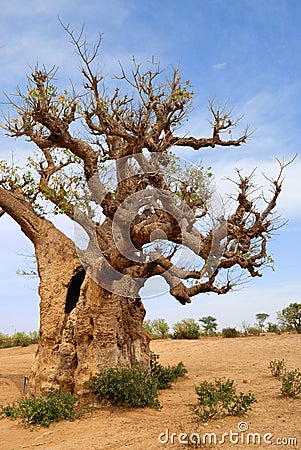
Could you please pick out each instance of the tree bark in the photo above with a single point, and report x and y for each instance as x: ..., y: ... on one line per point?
x: 83, y: 327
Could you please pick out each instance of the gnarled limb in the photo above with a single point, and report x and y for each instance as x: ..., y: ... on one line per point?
x: 135, y: 222
x: 17, y: 207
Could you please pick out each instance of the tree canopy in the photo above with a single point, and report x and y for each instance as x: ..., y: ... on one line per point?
x: 290, y: 317
x: 104, y: 158
x: 261, y: 318
x: 209, y: 324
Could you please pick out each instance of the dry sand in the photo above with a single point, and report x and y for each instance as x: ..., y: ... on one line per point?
x: 245, y: 360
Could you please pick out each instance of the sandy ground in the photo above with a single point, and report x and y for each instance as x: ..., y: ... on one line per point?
x: 276, y: 420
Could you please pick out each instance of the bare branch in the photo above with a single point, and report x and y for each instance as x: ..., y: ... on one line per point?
x: 135, y: 131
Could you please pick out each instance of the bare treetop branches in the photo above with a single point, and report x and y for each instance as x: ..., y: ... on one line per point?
x: 143, y: 212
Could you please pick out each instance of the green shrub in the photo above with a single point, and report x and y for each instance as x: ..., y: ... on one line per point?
x: 20, y: 338
x: 50, y: 407
x: 273, y: 328
x: 166, y: 375
x: 219, y: 399
x: 3, y: 337
x: 186, y: 329
x: 135, y: 386
x: 290, y: 317
x: 253, y: 331
x: 7, y: 344
x: 33, y: 337
x: 131, y: 387
x: 277, y: 368
x: 160, y: 328
x: 10, y: 411
x: 291, y: 383
x: 157, y: 329
x: 147, y: 326
x: 230, y: 332
x: 5, y: 341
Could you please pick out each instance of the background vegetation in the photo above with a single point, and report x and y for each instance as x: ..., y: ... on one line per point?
x: 288, y: 320
x: 19, y: 338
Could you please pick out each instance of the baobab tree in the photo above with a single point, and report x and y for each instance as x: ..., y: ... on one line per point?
x: 104, y: 159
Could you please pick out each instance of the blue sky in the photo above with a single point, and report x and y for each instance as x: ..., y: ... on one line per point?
x: 246, y: 52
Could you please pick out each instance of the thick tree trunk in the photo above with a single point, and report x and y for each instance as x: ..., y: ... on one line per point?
x: 83, y: 327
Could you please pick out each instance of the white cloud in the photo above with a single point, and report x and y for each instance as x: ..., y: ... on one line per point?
x: 219, y: 66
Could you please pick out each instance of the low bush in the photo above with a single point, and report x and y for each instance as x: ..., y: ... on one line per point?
x: 291, y: 383
x: 165, y: 376
x: 273, y: 328
x: 219, y: 399
x: 157, y: 329
x: 291, y: 380
x: 135, y: 386
x: 230, y: 332
x: 277, y: 368
x: 160, y: 328
x: 253, y: 331
x: 19, y: 339
x: 5, y: 341
x: 186, y: 329
x: 50, y: 407
x: 147, y: 326
x: 126, y: 386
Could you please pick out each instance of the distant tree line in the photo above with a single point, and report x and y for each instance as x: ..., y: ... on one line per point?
x: 19, y: 338
x: 289, y: 319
